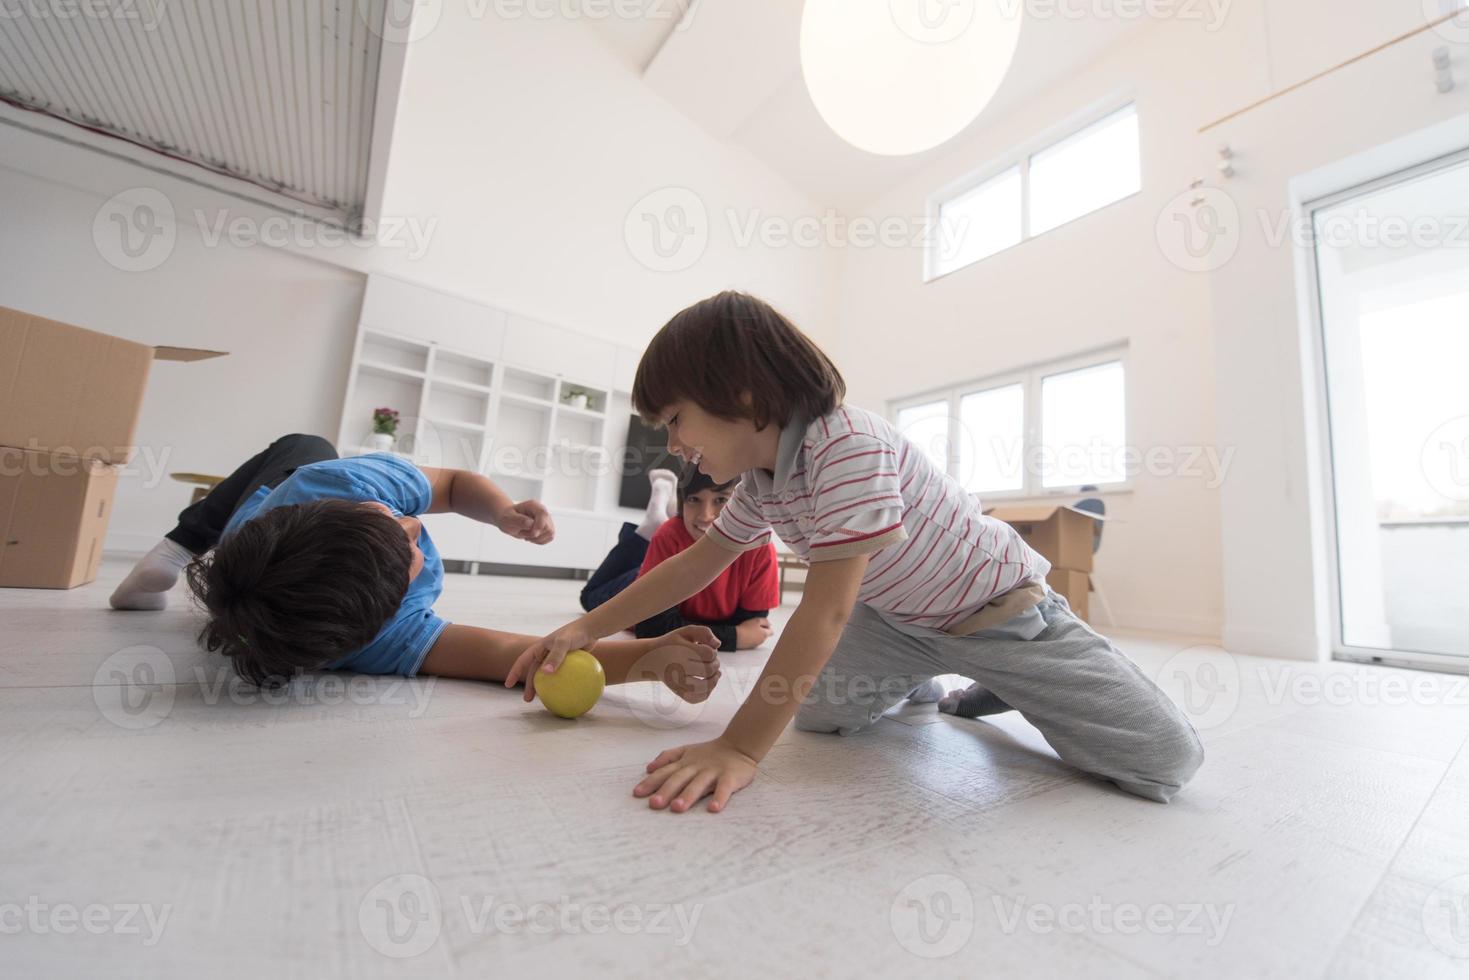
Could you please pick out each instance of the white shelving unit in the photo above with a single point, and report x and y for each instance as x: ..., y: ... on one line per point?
x: 481, y: 390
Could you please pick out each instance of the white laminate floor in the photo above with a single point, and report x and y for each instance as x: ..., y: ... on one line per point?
x: 156, y: 821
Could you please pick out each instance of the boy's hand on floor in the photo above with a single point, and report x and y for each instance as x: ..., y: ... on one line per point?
x: 546, y: 654
x: 681, y: 777
x: 528, y: 521
x: 686, y: 661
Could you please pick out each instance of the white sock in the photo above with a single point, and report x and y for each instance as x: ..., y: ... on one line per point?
x: 662, y: 502
x: 147, y: 585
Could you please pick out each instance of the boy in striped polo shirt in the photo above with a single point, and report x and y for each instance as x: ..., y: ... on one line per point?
x: 908, y: 580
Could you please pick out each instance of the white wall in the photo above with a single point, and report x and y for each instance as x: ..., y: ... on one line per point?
x: 1368, y: 119
x: 530, y: 143
x: 521, y: 148
x: 1215, y: 356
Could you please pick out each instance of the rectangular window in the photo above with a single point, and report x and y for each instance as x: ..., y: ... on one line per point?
x: 992, y: 440
x: 1083, y: 427
x: 1051, y: 428
x: 1084, y: 172
x: 980, y: 222
x: 927, y: 426
x: 1044, y: 188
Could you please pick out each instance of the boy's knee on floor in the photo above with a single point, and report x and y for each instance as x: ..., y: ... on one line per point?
x: 1172, y: 769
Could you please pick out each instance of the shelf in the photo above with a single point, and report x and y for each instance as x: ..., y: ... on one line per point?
x: 439, y: 381
x: 585, y: 413
x: 452, y: 424
x: 391, y: 370
x: 526, y: 400
x: 396, y: 353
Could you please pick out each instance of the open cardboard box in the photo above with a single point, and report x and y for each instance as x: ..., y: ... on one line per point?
x: 69, y: 405
x: 1064, y: 536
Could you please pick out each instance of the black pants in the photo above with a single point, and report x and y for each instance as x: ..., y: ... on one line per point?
x: 201, y: 524
x: 618, y: 570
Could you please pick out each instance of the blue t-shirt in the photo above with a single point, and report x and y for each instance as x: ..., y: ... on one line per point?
x: 403, y: 643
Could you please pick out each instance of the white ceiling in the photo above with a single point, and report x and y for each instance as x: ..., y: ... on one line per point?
x: 277, y: 93
x: 733, y: 66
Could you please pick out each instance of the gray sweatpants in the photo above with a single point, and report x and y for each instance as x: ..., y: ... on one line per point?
x: 1093, y: 705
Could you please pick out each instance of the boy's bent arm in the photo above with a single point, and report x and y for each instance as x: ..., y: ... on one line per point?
x: 680, y: 777
x: 479, y: 498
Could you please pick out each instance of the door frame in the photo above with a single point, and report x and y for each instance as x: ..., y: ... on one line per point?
x: 1340, y: 649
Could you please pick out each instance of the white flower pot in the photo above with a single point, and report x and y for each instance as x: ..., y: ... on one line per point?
x: 380, y: 442
x: 577, y: 401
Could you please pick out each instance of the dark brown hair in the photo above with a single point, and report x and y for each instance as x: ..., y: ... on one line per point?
x: 301, y: 586
x: 691, y: 481
x: 721, y: 347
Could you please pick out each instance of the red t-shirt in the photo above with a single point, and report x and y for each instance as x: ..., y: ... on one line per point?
x: 752, y: 582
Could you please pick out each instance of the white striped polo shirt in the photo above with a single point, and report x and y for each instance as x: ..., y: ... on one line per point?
x: 850, y: 484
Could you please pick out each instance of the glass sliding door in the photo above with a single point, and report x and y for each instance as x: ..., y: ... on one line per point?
x: 1392, y: 270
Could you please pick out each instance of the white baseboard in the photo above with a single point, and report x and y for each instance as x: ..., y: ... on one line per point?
x: 1270, y: 643
x: 1199, y: 627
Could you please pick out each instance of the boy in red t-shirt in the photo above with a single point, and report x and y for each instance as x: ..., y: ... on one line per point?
x: 734, y: 606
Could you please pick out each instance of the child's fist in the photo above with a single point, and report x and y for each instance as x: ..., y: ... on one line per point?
x: 685, y: 660
x: 528, y: 521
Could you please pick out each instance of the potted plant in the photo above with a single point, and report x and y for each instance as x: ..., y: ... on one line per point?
x: 575, y: 397
x: 384, y: 430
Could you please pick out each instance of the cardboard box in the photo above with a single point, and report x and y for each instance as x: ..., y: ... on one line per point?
x: 69, y: 405
x: 1076, y: 587
x: 53, y: 516
x: 1063, y: 535
x: 64, y: 389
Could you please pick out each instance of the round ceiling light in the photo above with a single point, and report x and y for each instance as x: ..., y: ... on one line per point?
x: 896, y: 77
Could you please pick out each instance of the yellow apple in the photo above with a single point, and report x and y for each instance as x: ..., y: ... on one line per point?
x: 574, y: 688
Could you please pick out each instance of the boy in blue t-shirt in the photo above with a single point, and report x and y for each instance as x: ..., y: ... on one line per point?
x: 304, y: 561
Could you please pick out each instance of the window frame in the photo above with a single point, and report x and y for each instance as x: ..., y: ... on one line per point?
x: 1020, y: 156
x: 1030, y: 378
